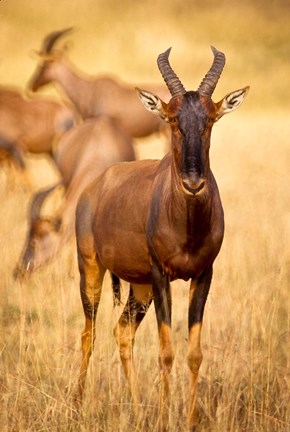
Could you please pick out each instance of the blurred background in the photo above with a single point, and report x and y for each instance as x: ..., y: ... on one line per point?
x: 244, y: 384
x: 126, y: 38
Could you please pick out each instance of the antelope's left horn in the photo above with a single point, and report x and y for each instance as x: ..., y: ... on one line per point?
x: 171, y: 79
x: 210, y: 80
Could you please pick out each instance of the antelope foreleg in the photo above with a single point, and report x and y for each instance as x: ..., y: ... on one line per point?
x: 198, y: 294
x: 194, y: 359
x: 162, y: 302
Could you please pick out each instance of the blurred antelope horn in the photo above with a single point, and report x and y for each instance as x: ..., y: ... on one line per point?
x: 171, y: 79
x: 38, y: 200
x: 210, y: 80
x: 51, y: 38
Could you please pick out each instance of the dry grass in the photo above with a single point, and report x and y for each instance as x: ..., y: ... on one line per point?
x: 244, y: 382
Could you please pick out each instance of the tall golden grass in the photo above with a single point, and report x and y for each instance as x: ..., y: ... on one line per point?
x: 244, y: 380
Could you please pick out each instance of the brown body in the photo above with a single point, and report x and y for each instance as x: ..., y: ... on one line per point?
x: 83, y: 153
x: 150, y: 222
x: 182, y: 251
x: 30, y: 125
x: 93, y: 96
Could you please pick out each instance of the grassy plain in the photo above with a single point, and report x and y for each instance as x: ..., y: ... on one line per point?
x: 244, y: 380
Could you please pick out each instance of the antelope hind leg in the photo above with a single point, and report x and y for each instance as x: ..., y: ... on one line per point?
x: 92, y: 274
x: 138, y: 302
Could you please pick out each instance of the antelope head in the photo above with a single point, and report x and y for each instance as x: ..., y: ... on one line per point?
x: 42, y: 238
x: 191, y: 115
x: 49, y: 58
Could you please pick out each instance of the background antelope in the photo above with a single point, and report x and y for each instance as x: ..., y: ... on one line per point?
x: 30, y: 126
x: 151, y: 222
x: 94, y: 95
x: 82, y: 154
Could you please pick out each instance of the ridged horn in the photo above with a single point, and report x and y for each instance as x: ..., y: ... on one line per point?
x: 210, y: 80
x: 171, y: 79
x: 38, y: 200
x: 51, y: 38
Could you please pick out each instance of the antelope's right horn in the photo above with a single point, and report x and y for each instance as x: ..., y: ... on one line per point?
x: 171, y: 79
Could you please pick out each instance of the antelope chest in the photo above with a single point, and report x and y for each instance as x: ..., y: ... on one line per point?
x: 185, y: 259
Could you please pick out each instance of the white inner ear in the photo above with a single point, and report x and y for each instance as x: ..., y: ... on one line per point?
x: 233, y: 100
x: 150, y: 101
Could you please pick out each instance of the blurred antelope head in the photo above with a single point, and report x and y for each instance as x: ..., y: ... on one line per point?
x: 43, y: 237
x: 49, y: 59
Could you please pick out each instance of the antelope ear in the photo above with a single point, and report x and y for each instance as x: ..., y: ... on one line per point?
x: 231, y: 102
x: 152, y: 103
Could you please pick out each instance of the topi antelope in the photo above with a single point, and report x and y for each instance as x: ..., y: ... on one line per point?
x: 83, y: 153
x: 93, y: 96
x: 29, y: 125
x: 150, y: 222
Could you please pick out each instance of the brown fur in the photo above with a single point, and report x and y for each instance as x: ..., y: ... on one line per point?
x: 30, y: 125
